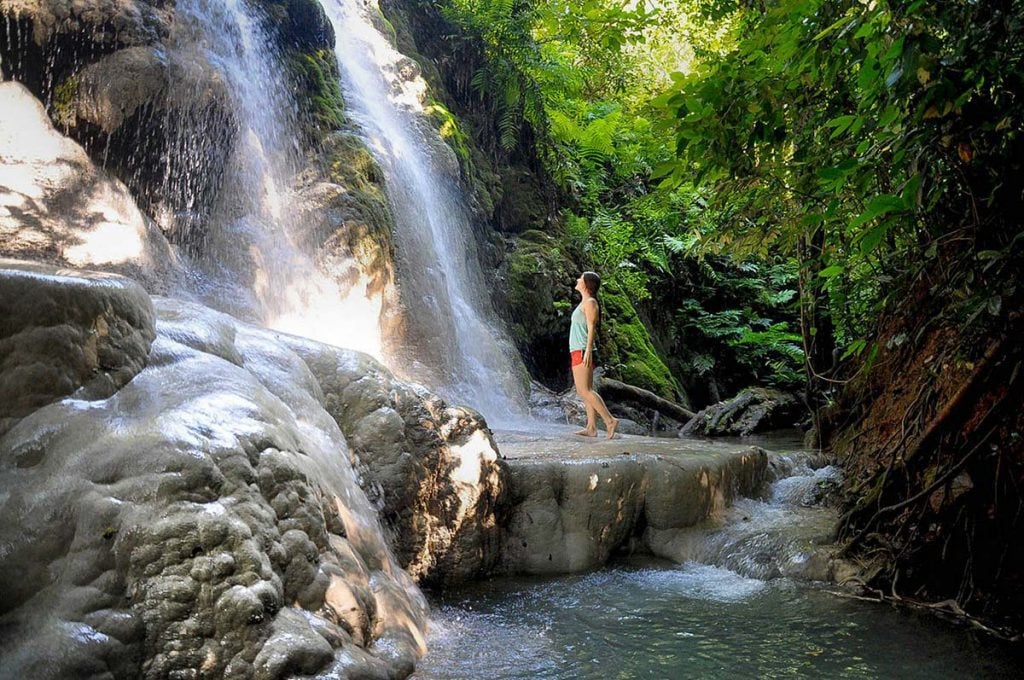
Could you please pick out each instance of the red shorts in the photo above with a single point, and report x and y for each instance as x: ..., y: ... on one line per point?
x: 576, y: 356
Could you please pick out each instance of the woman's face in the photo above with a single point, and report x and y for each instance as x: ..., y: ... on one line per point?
x: 580, y: 286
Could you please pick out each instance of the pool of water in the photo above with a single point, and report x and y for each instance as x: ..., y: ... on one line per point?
x: 740, y: 606
x: 657, y: 620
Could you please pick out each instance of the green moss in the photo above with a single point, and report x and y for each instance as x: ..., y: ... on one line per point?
x: 384, y: 25
x: 523, y: 204
x: 352, y: 165
x: 626, y: 349
x: 451, y: 132
x: 64, y: 102
x: 539, y: 280
x: 357, y: 222
x: 318, y: 92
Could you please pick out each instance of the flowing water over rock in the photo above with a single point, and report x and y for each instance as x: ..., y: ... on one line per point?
x: 454, y: 342
x: 736, y: 604
x: 176, y: 496
x: 241, y: 233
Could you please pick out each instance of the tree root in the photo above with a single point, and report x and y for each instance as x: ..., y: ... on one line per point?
x: 929, y: 438
x: 946, y: 607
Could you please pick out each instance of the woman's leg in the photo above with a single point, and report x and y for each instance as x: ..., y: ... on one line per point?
x: 610, y: 422
x: 584, y: 378
x: 579, y: 377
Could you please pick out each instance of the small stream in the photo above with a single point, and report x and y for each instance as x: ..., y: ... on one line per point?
x: 692, y: 620
x: 736, y: 603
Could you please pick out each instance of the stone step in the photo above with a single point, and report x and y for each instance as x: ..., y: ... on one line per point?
x: 576, y: 501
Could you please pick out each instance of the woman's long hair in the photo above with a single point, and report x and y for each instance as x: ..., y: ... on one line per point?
x: 592, y: 282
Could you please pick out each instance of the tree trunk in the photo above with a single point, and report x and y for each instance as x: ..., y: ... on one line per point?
x: 620, y: 391
x: 816, y: 326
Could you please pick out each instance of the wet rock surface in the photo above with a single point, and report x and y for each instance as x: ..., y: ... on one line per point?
x: 755, y: 409
x: 576, y: 501
x: 63, y: 334
x: 432, y: 469
x: 57, y: 206
x: 203, y: 518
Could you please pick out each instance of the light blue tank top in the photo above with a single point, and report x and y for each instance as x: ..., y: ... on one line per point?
x: 578, y: 329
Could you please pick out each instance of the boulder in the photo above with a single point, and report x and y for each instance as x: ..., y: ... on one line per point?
x: 346, y: 219
x: 300, y: 24
x: 57, y: 206
x: 433, y: 470
x: 574, y: 504
x: 110, y: 91
x: 110, y: 25
x: 755, y: 409
x: 61, y: 334
x: 203, y: 518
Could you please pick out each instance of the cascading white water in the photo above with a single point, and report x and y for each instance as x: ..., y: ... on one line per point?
x: 246, y: 261
x: 458, y: 343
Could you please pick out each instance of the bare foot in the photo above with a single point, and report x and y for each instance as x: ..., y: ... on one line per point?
x: 587, y: 432
x: 611, y: 427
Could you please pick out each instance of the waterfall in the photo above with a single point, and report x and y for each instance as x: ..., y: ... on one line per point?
x: 238, y: 231
x: 454, y: 340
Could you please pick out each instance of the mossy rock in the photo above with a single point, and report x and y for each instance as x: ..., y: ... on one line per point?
x: 351, y: 164
x: 626, y: 351
x: 65, y: 98
x: 349, y: 217
x: 322, y: 105
x: 522, y: 205
x: 540, y: 276
x: 299, y: 24
x: 348, y: 163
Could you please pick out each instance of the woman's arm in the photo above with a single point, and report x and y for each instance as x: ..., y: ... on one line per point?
x: 590, y: 311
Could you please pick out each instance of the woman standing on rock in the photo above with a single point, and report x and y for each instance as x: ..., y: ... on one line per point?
x: 582, y: 336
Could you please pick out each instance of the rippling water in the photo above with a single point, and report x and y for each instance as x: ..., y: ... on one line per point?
x: 662, y: 621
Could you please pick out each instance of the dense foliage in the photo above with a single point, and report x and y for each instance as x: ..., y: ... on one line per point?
x: 862, y: 140
x: 578, y: 82
x: 870, y: 138
x: 881, y: 143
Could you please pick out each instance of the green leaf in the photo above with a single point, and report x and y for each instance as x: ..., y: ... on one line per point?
x: 873, y: 237
x: 830, y: 272
x: 855, y: 347
x: 878, y: 206
x: 910, y: 193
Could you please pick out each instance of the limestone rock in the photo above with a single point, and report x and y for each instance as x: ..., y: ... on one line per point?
x: 755, y: 409
x: 347, y: 221
x: 109, y: 23
x: 202, y: 519
x: 110, y: 91
x: 87, y: 334
x: 433, y: 469
x: 301, y: 24
x: 570, y: 515
x: 57, y: 206
x: 540, y: 276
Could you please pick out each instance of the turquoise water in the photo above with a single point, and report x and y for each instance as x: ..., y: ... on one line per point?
x: 666, y: 621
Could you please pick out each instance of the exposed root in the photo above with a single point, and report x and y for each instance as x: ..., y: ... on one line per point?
x: 949, y: 608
